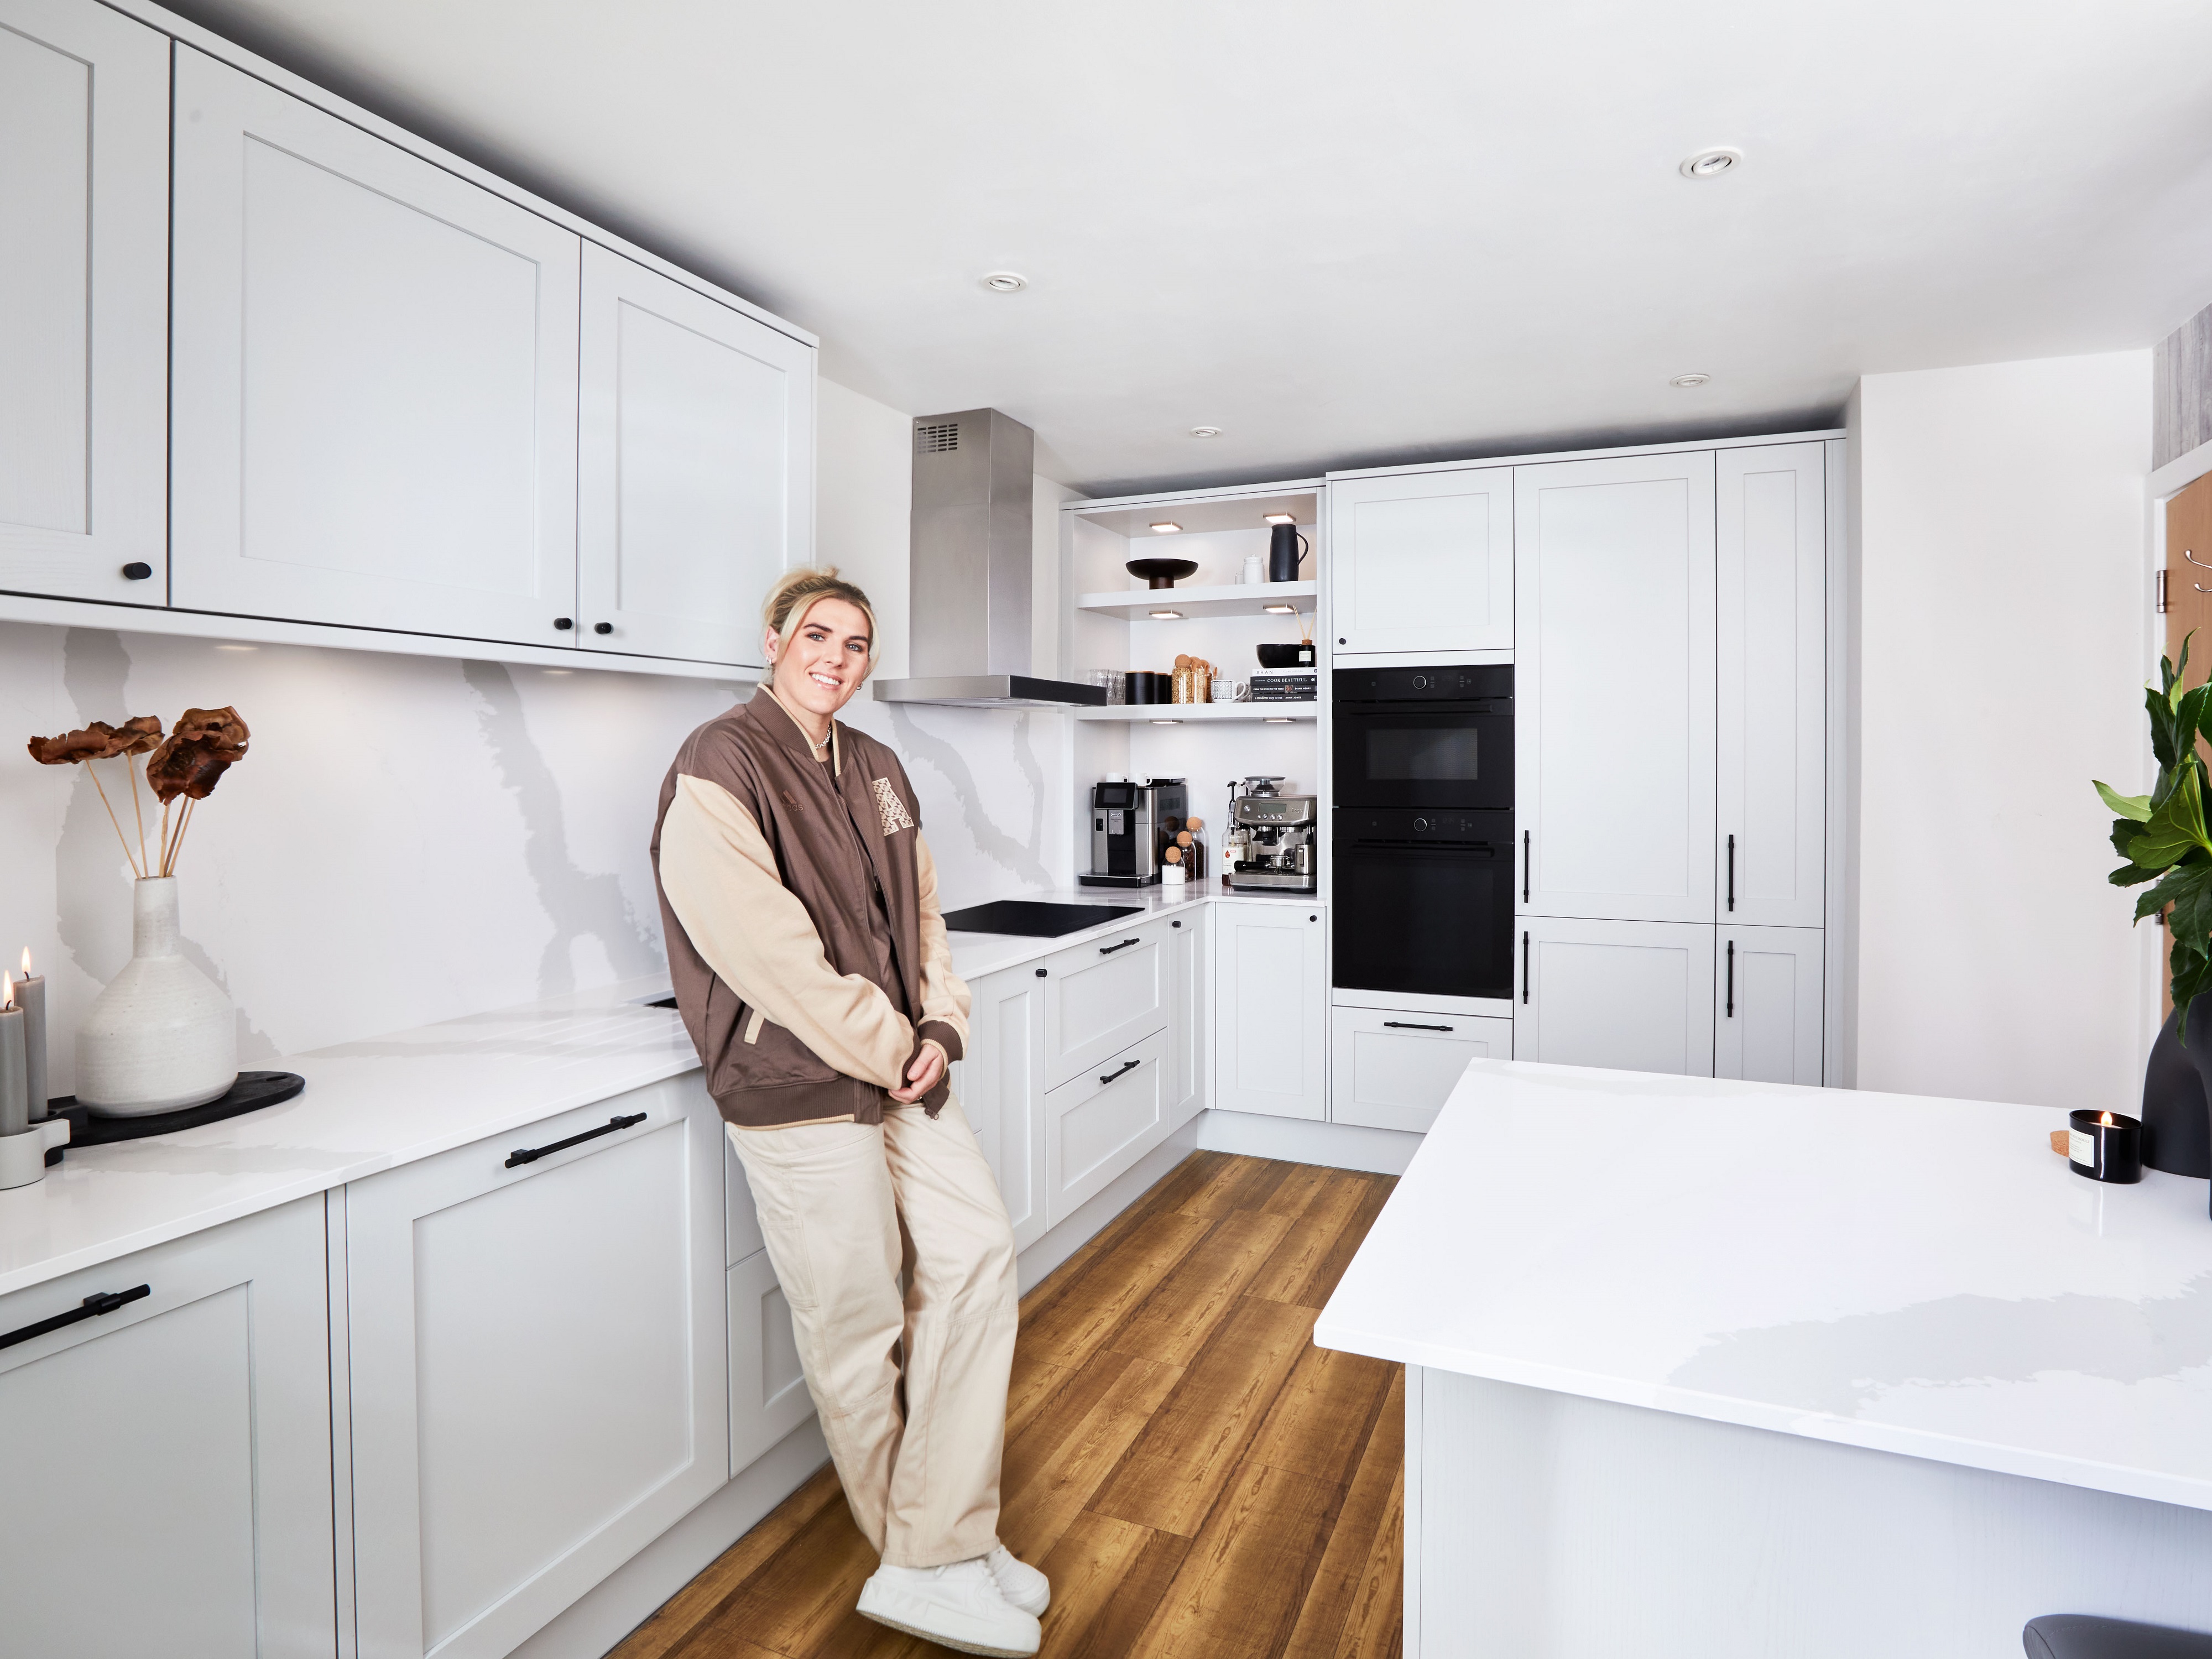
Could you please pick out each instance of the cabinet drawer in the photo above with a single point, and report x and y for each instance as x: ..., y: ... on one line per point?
x: 1102, y: 997
x: 1393, y: 1070
x: 1100, y: 1123
x: 767, y: 1390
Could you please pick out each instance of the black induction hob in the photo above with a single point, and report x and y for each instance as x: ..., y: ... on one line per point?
x: 1034, y: 918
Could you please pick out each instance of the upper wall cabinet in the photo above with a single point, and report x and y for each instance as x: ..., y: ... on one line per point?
x: 84, y: 222
x: 373, y: 417
x: 1771, y: 543
x: 696, y: 466
x: 1423, y: 562
x: 1614, y: 723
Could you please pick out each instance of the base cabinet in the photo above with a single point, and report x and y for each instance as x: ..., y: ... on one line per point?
x: 1768, y: 1011
x: 767, y: 1389
x: 1635, y: 996
x: 1000, y: 1084
x: 1097, y: 1125
x: 1271, y: 1008
x: 539, y: 1368
x: 167, y: 1480
x: 1190, y: 992
x: 1392, y: 1069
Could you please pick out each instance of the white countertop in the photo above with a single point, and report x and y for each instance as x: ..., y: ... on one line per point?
x: 1911, y: 1274
x: 367, y: 1106
x: 974, y: 955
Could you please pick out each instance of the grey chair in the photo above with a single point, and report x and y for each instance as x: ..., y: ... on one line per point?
x: 2083, y: 1636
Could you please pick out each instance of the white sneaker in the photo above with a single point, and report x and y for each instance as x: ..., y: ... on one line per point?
x: 1020, y: 1583
x: 959, y: 1606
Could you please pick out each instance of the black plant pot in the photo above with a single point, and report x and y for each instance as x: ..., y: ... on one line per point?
x: 2177, y: 1127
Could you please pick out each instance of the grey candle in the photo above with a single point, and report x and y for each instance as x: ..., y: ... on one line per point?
x: 15, y: 1086
x: 31, y: 998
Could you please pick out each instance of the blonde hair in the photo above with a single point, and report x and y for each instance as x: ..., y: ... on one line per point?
x: 794, y: 593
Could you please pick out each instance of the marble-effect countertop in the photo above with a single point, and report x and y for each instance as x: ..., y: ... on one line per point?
x: 1910, y: 1274
x: 974, y: 955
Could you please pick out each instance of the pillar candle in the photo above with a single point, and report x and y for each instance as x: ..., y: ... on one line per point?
x: 15, y: 1086
x: 31, y: 998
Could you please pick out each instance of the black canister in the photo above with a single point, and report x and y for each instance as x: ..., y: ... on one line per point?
x: 1285, y: 547
x: 1137, y: 686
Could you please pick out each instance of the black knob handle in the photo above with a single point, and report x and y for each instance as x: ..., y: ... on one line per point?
x: 137, y: 570
x: 564, y: 623
x: 603, y: 628
x: 1040, y: 973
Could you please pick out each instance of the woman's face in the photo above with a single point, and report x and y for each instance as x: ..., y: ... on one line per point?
x: 820, y: 663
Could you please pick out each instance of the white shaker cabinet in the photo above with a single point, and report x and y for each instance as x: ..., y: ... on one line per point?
x: 1634, y: 995
x: 539, y: 1366
x: 1613, y: 702
x: 1767, y: 1005
x: 768, y: 1396
x: 1422, y: 561
x: 1271, y: 1008
x: 1771, y: 542
x: 167, y: 1482
x: 695, y: 485
x: 1001, y: 1083
x: 1190, y: 988
x: 84, y: 234
x: 374, y: 401
x: 1393, y: 1069
x: 1102, y: 996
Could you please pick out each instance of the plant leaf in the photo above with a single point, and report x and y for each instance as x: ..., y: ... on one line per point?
x: 2176, y: 827
x: 2161, y: 709
x: 2132, y: 875
x: 2128, y: 806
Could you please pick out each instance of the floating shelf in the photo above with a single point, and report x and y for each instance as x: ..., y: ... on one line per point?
x: 1199, y: 713
x: 1218, y: 599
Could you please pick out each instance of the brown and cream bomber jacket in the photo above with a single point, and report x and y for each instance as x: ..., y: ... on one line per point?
x: 799, y: 902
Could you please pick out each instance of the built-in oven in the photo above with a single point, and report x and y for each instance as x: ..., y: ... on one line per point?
x: 1424, y: 854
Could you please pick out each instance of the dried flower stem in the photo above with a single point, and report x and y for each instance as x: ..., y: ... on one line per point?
x: 163, y: 838
x: 135, y: 869
x: 131, y: 765
x: 176, y: 845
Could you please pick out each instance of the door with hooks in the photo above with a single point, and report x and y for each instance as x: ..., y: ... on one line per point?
x: 2185, y: 584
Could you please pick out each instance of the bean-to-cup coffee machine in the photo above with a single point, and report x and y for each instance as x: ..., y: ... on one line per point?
x: 1132, y: 822
x: 1271, y: 846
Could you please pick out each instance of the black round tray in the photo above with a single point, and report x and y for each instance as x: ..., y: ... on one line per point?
x: 253, y: 1091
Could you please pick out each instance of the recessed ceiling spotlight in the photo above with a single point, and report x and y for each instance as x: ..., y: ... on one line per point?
x: 1165, y: 527
x: 1006, y: 282
x: 1712, y: 163
x: 1280, y: 610
x: 237, y: 647
x: 1686, y: 382
x: 1167, y: 616
x: 1206, y: 431
x: 1276, y: 720
x: 1167, y: 722
x: 1279, y: 518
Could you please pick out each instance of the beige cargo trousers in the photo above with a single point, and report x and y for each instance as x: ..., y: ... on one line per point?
x: 912, y: 1389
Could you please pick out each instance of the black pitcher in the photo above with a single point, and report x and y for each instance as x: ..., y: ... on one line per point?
x: 1284, y: 548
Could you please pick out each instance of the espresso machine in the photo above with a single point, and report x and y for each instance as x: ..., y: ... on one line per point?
x: 1132, y: 822
x: 1270, y: 846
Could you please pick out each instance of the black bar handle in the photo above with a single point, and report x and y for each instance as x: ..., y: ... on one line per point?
x: 532, y: 1154
x: 1411, y: 1025
x: 1109, y: 949
x: 1524, y: 866
x: 1731, y: 979
x: 1525, y: 968
x: 1126, y: 1066
x: 1731, y: 873
x: 98, y: 1302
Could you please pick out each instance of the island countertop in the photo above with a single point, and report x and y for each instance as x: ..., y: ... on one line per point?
x: 1910, y: 1274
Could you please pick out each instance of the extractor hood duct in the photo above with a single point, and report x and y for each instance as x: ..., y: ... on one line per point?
x: 968, y: 605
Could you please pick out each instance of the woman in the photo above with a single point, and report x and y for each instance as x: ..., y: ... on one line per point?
x: 811, y: 969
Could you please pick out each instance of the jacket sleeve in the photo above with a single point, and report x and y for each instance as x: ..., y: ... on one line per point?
x: 945, y: 1000
x: 720, y: 878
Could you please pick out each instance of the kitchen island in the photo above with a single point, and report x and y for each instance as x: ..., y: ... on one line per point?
x: 1699, y: 1367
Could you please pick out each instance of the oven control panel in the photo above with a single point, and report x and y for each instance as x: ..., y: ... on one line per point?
x: 1402, y: 826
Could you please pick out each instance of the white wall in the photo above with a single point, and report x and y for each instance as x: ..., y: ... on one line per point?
x: 414, y: 839
x: 2002, y: 594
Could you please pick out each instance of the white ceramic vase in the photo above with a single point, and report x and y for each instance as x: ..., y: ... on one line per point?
x: 162, y: 1034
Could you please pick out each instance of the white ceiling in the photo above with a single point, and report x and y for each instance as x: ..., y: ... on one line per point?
x: 1346, y: 235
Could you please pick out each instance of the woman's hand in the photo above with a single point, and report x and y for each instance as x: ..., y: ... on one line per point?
x: 922, y: 1076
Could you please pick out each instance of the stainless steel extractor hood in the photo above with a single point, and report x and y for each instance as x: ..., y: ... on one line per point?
x: 968, y: 607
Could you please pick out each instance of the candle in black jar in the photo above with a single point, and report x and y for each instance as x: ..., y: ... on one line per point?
x: 2105, y: 1145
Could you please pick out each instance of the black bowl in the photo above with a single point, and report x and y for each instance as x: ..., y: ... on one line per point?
x: 1163, y: 573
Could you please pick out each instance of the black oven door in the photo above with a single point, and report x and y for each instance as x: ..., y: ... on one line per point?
x: 1435, y: 918
x: 1458, y: 756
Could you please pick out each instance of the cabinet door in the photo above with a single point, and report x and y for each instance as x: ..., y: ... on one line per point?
x: 1614, y: 723
x: 374, y: 394
x: 768, y: 1388
x: 1394, y: 1070
x: 168, y: 1464
x: 695, y: 479
x: 1101, y: 998
x: 1271, y: 1003
x: 1637, y: 996
x: 1772, y: 538
x: 1098, y: 1124
x: 1001, y: 1089
x: 1767, y: 1011
x: 84, y: 299
x: 540, y: 1367
x: 1423, y: 561
x: 1190, y: 1015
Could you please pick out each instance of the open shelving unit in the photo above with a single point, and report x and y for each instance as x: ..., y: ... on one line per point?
x: 1213, y: 600
x: 1173, y: 713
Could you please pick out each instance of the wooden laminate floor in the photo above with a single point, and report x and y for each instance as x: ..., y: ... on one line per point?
x: 1195, y: 1477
